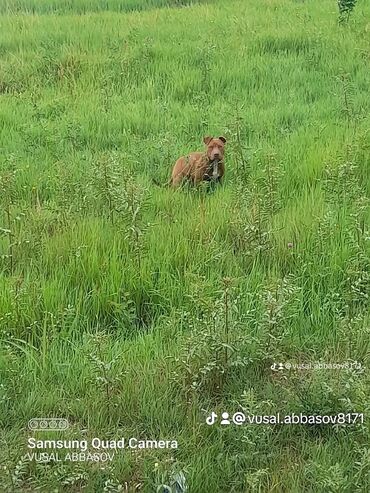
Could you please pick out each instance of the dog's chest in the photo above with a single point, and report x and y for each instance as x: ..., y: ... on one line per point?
x: 214, y: 171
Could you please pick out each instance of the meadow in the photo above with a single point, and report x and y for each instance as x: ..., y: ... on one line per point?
x: 134, y: 310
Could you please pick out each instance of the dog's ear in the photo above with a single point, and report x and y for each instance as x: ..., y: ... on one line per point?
x: 207, y: 140
x: 223, y: 139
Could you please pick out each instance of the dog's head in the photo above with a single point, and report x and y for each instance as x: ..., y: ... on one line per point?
x: 215, y: 147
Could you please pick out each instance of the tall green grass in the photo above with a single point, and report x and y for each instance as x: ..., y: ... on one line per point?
x: 133, y: 310
x: 85, y: 6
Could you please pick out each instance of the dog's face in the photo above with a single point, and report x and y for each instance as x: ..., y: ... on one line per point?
x: 215, y: 148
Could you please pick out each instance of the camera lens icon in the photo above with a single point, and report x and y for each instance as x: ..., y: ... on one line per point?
x: 33, y: 424
x: 63, y: 424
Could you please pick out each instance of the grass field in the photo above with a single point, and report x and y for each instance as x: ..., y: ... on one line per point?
x: 135, y: 311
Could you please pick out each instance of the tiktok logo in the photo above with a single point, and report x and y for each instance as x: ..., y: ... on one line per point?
x: 211, y: 420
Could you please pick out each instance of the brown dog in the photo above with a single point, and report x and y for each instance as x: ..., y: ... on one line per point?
x: 201, y: 166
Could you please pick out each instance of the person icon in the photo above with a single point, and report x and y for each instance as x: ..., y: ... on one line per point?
x: 225, y: 419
